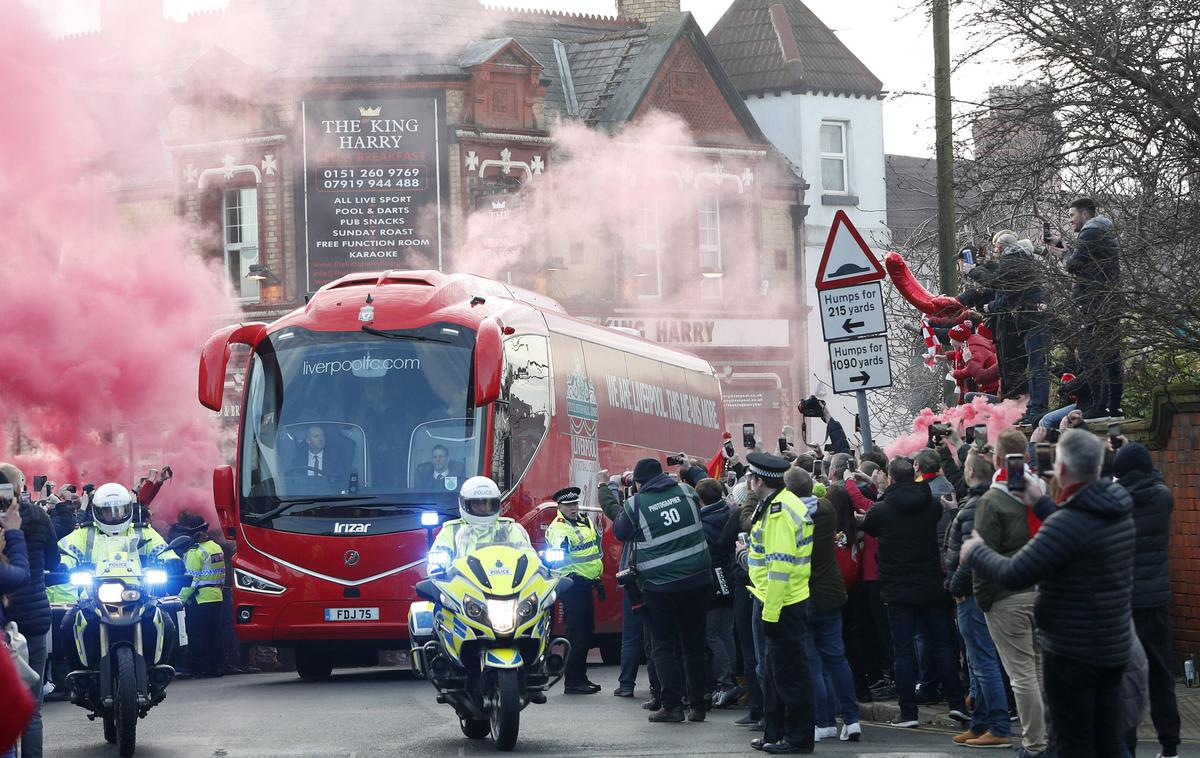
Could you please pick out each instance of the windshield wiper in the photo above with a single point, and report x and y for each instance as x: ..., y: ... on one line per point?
x: 282, y: 508
x: 406, y: 337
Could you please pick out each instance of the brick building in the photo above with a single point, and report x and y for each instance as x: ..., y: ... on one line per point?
x: 307, y: 140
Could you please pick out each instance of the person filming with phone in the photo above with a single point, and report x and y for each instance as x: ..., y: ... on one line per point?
x: 1081, y: 562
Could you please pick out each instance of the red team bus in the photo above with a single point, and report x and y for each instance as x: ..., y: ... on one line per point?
x: 363, y: 413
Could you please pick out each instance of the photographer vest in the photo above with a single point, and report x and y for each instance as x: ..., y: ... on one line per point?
x: 670, y: 544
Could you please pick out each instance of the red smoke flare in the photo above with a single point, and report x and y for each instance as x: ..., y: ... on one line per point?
x: 102, y: 308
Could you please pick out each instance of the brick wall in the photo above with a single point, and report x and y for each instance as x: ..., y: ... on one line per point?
x: 1173, y: 436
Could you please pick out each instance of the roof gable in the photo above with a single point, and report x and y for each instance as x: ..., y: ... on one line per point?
x: 503, y: 51
x: 774, y: 45
x: 667, y: 66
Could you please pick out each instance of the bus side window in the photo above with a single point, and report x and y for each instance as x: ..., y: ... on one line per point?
x: 524, y: 418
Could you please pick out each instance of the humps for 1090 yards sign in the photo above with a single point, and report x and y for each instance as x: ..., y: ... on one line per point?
x: 373, y: 183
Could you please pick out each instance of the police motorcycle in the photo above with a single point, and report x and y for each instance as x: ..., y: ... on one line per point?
x: 119, y: 593
x: 481, y: 636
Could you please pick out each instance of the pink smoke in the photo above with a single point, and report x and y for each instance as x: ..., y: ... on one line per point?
x: 998, y: 417
x: 103, y: 308
x: 600, y: 195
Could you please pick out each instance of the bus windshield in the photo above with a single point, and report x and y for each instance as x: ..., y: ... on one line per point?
x: 371, y: 417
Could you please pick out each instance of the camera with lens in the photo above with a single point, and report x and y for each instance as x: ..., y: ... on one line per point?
x: 811, y: 407
x: 627, y: 580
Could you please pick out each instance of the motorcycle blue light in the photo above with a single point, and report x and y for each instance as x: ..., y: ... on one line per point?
x: 81, y: 578
x: 429, y: 518
x: 438, y: 560
x: 554, y: 555
x: 155, y: 576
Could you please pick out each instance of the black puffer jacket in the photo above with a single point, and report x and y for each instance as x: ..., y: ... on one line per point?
x: 910, y: 566
x: 28, y: 605
x: 1095, y: 263
x: 958, y: 576
x: 1081, y: 559
x: 1152, y: 506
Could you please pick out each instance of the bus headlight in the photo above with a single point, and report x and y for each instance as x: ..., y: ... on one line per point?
x: 254, y: 583
x: 110, y: 592
x: 503, y: 615
x: 155, y: 577
x: 81, y: 579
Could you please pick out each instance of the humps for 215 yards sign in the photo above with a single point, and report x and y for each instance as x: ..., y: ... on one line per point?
x: 372, y: 195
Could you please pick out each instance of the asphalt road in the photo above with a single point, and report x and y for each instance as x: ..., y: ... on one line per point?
x: 384, y: 712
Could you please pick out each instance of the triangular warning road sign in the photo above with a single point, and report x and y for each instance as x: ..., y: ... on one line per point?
x: 847, y: 259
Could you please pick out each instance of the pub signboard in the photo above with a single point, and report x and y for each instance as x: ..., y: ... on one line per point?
x: 373, y: 184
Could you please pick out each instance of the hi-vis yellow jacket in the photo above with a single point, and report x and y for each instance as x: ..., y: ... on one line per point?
x: 780, y: 560
x: 582, y: 543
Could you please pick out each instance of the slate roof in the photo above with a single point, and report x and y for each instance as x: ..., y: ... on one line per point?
x: 781, y: 45
x: 608, y: 62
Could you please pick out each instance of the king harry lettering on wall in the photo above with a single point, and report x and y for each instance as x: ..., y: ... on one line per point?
x: 670, y: 332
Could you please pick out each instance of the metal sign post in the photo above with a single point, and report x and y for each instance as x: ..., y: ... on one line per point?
x: 864, y: 421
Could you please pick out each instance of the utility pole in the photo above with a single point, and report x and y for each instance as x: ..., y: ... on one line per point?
x: 947, y: 239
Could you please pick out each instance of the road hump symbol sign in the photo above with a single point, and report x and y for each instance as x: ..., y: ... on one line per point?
x: 847, y: 259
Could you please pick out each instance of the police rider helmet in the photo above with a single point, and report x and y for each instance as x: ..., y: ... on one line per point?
x: 479, y: 501
x: 112, y: 508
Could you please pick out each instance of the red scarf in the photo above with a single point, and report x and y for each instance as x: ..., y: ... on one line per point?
x: 1066, y: 493
x: 1031, y: 520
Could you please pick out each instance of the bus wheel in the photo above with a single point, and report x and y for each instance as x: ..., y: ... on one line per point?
x: 313, y: 663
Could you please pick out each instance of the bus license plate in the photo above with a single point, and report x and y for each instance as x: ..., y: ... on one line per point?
x: 351, y: 614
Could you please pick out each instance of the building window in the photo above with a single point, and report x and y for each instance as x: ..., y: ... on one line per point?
x: 710, y: 246
x: 781, y: 258
x: 240, y: 218
x: 834, y: 177
x: 649, y: 261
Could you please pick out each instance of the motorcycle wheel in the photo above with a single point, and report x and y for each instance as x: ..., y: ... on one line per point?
x: 505, y: 713
x: 475, y: 729
x: 125, y: 705
x: 110, y: 729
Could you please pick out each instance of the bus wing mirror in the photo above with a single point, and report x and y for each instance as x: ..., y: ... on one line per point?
x: 215, y: 358
x: 489, y: 362
x: 223, y: 499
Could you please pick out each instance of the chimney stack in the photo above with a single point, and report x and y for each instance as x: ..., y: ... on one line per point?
x: 646, y: 11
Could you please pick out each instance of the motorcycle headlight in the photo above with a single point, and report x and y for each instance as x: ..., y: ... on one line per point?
x: 474, y: 609
x: 131, y: 594
x: 528, y: 608
x: 155, y: 577
x: 254, y: 583
x: 110, y: 592
x: 503, y: 615
x: 81, y: 578
x: 554, y: 555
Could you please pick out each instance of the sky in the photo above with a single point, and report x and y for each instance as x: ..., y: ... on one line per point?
x: 892, y: 37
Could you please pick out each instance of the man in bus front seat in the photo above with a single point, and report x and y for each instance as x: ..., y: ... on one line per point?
x: 316, y: 459
x: 441, y: 473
